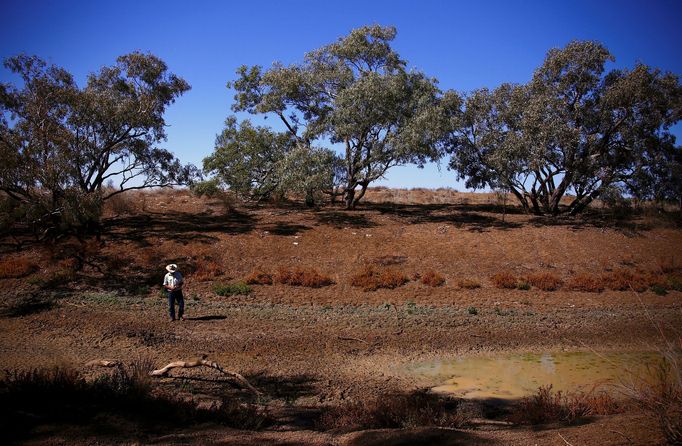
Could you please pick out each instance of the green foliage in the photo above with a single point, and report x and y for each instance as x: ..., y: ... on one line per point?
x: 245, y: 158
x: 60, y: 144
x: 309, y: 172
x: 355, y: 92
x: 232, y: 289
x: 259, y: 164
x: 472, y: 310
x: 574, y: 128
x: 209, y: 188
x: 659, y: 289
x: 675, y: 283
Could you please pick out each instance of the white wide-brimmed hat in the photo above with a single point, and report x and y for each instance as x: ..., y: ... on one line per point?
x: 172, y: 267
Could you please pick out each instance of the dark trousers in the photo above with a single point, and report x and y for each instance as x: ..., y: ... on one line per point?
x: 175, y: 296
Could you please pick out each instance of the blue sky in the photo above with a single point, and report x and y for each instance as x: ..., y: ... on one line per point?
x: 465, y: 45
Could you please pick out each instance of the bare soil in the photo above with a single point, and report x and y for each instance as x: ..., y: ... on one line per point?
x: 306, y: 348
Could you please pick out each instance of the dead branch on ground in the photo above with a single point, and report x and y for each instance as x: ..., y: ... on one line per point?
x: 204, y: 362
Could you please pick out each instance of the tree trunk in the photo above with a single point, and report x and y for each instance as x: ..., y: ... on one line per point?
x: 536, y: 205
x: 559, y: 193
x: 309, y: 199
x: 579, y: 205
x: 349, y: 198
x: 520, y: 197
x: 361, y: 194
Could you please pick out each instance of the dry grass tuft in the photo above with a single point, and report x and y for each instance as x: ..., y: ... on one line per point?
x: 395, y: 411
x: 545, y: 281
x: 302, y: 277
x: 432, y: 279
x: 660, y: 394
x: 547, y: 406
x: 371, y: 278
x: 468, y: 284
x: 15, y: 268
x: 586, y: 283
x: 505, y: 280
x: 126, y: 203
x: 258, y: 278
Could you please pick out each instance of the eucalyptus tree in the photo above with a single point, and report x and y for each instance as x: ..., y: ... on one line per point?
x: 357, y: 93
x: 60, y: 145
x: 258, y: 163
x: 245, y: 158
x: 573, y: 128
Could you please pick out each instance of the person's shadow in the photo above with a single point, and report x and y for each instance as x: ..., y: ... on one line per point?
x: 215, y: 317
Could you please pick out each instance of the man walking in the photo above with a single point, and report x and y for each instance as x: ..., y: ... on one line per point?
x: 172, y: 282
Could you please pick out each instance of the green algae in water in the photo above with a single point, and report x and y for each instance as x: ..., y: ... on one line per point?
x: 520, y: 375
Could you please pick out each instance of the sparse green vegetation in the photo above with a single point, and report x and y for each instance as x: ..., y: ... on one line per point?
x: 231, y: 289
x: 522, y: 285
x: 659, y: 290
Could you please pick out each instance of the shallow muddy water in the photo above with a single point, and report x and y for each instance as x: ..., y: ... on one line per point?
x: 514, y: 376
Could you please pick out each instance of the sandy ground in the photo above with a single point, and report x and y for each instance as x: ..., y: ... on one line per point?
x: 306, y: 348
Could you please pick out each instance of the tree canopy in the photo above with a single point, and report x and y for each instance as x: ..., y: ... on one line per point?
x: 357, y: 93
x: 259, y: 163
x: 60, y: 144
x: 573, y: 128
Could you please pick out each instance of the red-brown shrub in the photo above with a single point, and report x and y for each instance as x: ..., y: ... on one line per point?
x: 623, y: 280
x: 302, y: 277
x: 372, y: 278
x: 14, y: 268
x: 432, y: 279
x: 207, y: 270
x: 70, y: 264
x: 504, y: 280
x: 656, y: 279
x: 258, y: 278
x: 545, y: 281
x: 669, y: 265
x: 587, y: 283
x: 469, y: 284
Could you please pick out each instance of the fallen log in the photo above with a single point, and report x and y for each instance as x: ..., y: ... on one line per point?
x: 204, y: 362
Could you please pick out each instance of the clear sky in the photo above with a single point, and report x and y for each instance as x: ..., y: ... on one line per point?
x: 465, y: 45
